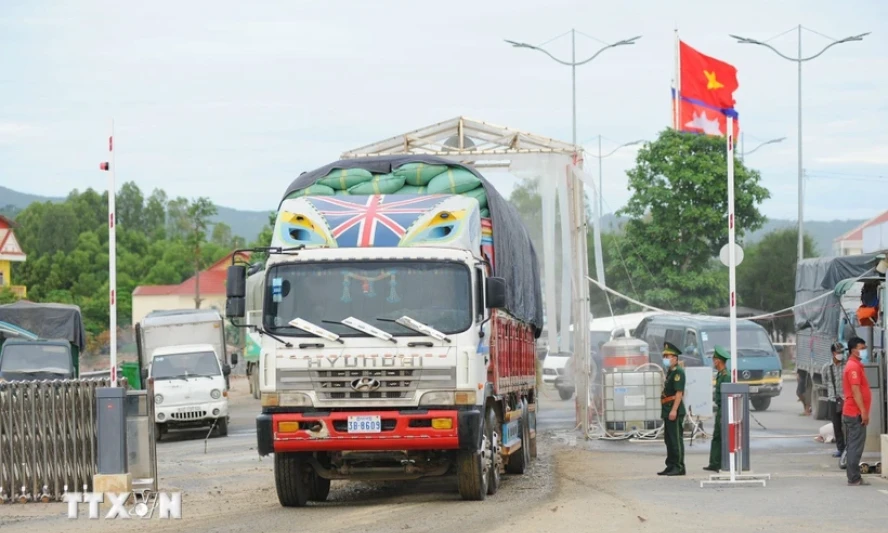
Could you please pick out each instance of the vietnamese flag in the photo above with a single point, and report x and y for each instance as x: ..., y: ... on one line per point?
x: 706, y: 79
x: 699, y: 118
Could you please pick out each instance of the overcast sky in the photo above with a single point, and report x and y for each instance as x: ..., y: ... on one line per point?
x: 233, y: 99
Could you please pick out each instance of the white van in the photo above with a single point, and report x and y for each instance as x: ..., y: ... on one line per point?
x: 189, y: 388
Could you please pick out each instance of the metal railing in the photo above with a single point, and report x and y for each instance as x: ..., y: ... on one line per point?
x: 47, y: 438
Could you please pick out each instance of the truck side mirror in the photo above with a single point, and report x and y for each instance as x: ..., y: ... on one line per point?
x: 779, y: 348
x: 496, y: 293
x: 226, y: 370
x: 234, y: 359
x: 144, y: 374
x: 235, y: 292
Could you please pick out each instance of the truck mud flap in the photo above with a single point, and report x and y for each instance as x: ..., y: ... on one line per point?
x: 470, y: 424
x: 264, y: 435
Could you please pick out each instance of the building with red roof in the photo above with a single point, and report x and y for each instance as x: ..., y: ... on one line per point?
x: 148, y: 298
x: 851, y: 243
x: 10, y: 252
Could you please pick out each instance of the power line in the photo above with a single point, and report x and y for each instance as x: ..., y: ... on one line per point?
x: 794, y: 28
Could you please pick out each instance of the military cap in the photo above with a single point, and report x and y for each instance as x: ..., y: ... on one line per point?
x: 671, y: 349
x: 722, y: 353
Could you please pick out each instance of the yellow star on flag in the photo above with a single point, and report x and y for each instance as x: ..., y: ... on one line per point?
x: 712, y: 83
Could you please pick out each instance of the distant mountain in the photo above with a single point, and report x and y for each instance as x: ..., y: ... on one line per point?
x: 21, y: 200
x: 248, y: 224
x: 822, y: 232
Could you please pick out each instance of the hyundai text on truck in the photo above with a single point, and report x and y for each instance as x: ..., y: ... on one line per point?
x: 397, y: 332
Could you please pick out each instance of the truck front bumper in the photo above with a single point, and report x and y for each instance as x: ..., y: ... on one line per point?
x: 326, y: 431
x: 765, y: 389
x: 192, y: 414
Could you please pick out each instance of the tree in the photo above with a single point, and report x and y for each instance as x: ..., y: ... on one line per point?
x: 222, y: 235
x: 155, y: 214
x: 7, y: 296
x: 130, y: 205
x: 199, y: 212
x: 263, y: 240
x: 766, y: 277
x: 678, y: 219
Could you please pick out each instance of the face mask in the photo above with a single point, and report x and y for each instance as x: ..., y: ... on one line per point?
x: 667, y: 362
x: 864, y: 356
x: 839, y: 356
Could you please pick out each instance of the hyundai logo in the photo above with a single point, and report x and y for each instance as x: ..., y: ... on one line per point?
x: 746, y: 374
x: 365, y: 384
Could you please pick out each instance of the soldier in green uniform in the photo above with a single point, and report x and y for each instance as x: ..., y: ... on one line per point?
x: 720, y: 362
x: 673, y: 411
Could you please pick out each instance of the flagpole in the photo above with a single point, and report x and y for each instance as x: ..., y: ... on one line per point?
x: 732, y: 259
x: 112, y: 257
x: 676, y: 119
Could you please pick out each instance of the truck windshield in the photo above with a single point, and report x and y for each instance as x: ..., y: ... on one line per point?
x: 185, y: 365
x: 750, y: 342
x: 50, y: 358
x: 435, y: 293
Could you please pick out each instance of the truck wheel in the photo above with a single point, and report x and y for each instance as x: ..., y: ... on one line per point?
x: 320, y: 488
x: 254, y: 382
x: 475, y: 470
x: 222, y: 427
x: 761, y: 403
x: 292, y: 479
x: 159, y: 430
x: 533, y: 439
x: 518, y: 461
x: 565, y: 394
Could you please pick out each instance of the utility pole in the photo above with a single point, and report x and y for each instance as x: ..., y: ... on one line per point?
x: 799, y: 60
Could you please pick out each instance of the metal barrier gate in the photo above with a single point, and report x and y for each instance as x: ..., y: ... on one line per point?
x: 48, y: 438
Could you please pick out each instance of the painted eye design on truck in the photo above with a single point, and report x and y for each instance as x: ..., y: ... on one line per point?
x: 296, y: 228
x: 443, y: 226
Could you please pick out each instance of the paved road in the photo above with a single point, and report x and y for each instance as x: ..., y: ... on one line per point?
x: 575, y: 485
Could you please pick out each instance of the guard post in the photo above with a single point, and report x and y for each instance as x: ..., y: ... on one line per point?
x: 735, y: 439
x: 736, y: 435
x: 111, y: 457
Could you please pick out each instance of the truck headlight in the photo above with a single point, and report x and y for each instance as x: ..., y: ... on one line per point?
x: 158, y: 399
x: 772, y: 374
x: 216, y: 394
x: 448, y: 398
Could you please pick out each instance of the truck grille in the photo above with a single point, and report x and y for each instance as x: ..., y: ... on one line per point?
x: 188, y: 415
x: 378, y: 383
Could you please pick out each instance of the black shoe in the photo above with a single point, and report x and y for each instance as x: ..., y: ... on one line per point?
x: 665, y: 472
x: 675, y: 473
x: 711, y: 469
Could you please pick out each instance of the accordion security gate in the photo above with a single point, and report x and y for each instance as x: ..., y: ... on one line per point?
x: 47, y: 438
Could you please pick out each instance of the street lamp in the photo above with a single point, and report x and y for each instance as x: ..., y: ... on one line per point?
x: 799, y: 60
x: 599, y: 257
x: 743, y: 151
x: 573, y: 64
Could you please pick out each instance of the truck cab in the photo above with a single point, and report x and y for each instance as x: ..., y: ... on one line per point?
x: 189, y: 388
x: 24, y: 359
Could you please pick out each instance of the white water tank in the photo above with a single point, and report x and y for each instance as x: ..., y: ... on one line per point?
x: 624, y: 353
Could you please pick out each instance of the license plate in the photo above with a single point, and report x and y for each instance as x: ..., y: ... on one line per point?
x: 753, y: 390
x: 364, y: 424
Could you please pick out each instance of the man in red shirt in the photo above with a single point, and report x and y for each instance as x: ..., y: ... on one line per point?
x: 855, y: 413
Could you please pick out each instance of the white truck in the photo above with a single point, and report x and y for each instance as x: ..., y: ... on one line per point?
x: 183, y: 352
x: 397, y: 331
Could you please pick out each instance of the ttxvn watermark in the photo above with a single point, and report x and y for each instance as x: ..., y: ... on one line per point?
x: 126, y: 504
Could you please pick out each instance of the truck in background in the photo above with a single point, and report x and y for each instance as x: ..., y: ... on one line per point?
x: 842, y: 284
x: 397, y: 333
x: 41, y: 341
x: 183, y: 351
